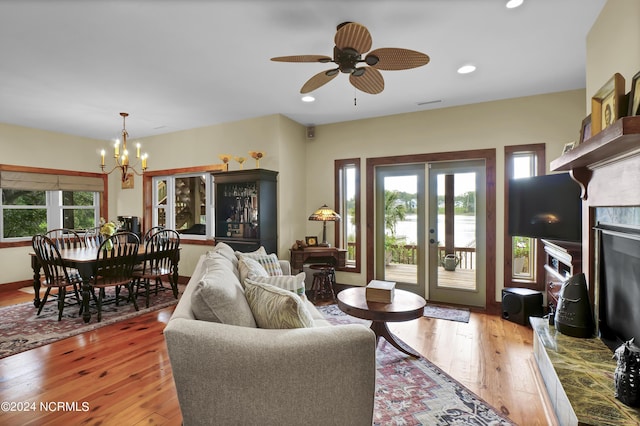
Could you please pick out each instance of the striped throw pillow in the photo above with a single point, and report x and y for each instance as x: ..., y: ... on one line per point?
x: 273, y: 307
x: 294, y: 283
x: 268, y: 261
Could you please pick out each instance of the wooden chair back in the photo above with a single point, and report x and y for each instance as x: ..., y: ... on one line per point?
x: 93, y: 237
x: 65, y: 238
x: 161, y: 252
x: 48, y: 255
x: 116, y: 259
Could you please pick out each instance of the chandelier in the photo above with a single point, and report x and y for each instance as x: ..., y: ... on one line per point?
x: 122, y: 160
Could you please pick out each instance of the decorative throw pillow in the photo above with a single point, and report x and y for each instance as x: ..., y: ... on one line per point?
x: 294, y: 283
x: 269, y: 262
x: 250, y: 268
x: 218, y: 297
x: 273, y: 307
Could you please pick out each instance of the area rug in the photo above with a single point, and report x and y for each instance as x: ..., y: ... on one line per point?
x: 446, y: 313
x: 413, y: 391
x: 21, y: 329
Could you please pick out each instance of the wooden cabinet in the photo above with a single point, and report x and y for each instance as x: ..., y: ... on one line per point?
x: 562, y: 260
x: 246, y: 209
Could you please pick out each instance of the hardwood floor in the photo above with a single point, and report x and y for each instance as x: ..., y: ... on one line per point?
x: 121, y: 373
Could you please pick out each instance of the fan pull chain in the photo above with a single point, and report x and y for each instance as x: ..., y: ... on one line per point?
x: 355, y: 100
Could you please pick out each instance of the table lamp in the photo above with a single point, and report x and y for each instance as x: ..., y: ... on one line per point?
x: 325, y: 214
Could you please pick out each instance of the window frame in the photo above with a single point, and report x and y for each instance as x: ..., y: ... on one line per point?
x: 340, y: 204
x: 100, y: 197
x: 539, y: 150
x: 148, y: 198
x: 169, y: 207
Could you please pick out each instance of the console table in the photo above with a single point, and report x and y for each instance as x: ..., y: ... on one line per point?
x: 332, y: 255
x: 578, y: 376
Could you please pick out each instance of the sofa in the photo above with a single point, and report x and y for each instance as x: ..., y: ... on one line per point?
x: 229, y: 369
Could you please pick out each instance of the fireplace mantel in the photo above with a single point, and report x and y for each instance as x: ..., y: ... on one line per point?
x: 617, y: 146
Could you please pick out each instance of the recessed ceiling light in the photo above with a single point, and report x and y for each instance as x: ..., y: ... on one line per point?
x: 308, y: 98
x: 466, y: 69
x: 511, y: 4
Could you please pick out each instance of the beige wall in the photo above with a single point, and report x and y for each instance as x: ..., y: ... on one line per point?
x: 613, y: 46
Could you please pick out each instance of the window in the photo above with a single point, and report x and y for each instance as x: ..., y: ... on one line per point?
x: 184, y: 203
x: 347, y: 192
x: 522, y: 254
x: 33, y: 202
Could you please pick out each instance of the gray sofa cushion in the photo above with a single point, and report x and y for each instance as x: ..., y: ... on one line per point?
x: 218, y: 297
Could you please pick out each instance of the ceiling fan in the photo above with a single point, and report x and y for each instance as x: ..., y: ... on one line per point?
x: 352, y: 41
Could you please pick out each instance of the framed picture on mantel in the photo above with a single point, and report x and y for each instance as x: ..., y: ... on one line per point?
x: 607, y: 104
x: 634, y: 96
x: 585, y: 130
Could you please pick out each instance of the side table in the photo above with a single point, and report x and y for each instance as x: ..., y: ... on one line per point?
x: 406, y: 306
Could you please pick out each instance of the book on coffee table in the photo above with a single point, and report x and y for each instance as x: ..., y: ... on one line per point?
x: 380, y: 291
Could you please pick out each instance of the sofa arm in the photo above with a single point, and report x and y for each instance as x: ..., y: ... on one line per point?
x: 228, y: 375
x: 285, y: 265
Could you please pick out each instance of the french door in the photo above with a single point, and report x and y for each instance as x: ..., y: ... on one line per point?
x: 456, y: 228
x: 400, y: 224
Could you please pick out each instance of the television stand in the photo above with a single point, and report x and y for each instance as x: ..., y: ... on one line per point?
x: 562, y: 260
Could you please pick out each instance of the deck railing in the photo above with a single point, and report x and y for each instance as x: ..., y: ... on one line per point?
x: 407, y: 254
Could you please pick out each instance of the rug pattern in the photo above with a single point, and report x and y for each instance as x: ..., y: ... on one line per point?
x: 413, y: 391
x: 21, y: 329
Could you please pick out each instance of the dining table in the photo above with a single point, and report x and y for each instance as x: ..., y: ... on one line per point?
x: 83, y: 259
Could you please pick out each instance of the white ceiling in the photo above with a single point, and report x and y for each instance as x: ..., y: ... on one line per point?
x: 71, y: 66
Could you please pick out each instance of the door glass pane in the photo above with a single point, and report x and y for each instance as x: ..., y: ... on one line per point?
x: 401, y: 228
x: 456, y: 203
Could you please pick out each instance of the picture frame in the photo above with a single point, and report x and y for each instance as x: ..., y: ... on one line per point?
x: 585, y: 129
x: 128, y: 182
x: 634, y: 96
x: 568, y: 147
x: 607, y: 104
x: 312, y: 241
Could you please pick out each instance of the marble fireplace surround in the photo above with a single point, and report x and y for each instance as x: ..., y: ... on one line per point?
x: 578, y: 373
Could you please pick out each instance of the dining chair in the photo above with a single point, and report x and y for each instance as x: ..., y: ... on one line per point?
x: 92, y: 237
x: 65, y: 238
x: 56, y: 274
x: 151, y: 231
x: 160, y: 260
x: 114, y: 265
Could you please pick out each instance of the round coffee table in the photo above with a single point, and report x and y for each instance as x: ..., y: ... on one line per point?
x: 405, y: 306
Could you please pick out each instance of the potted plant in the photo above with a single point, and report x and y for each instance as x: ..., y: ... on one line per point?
x: 520, y: 253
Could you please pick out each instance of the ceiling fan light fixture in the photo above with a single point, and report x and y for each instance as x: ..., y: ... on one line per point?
x: 512, y: 4
x: 466, y: 69
x: 308, y: 98
x: 371, y: 59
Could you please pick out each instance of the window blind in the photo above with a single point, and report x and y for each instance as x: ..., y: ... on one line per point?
x: 49, y: 182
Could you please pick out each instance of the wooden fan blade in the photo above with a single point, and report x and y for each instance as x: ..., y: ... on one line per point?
x: 302, y: 58
x: 354, y: 36
x: 392, y: 58
x: 369, y: 82
x: 318, y: 80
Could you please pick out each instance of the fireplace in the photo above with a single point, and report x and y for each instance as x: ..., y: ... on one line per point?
x: 617, y: 292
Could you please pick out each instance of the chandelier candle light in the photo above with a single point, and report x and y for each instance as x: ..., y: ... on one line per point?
x: 325, y: 214
x: 122, y: 161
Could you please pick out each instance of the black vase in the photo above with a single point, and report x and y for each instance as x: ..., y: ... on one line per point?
x: 573, y: 314
x: 627, y: 375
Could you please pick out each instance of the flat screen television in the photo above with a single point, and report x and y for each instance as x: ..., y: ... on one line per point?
x: 546, y: 207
